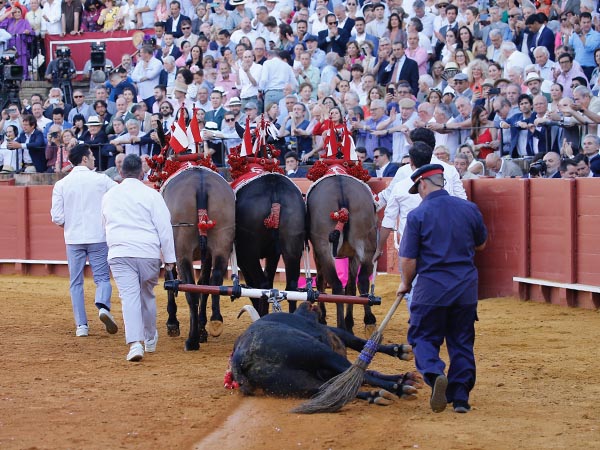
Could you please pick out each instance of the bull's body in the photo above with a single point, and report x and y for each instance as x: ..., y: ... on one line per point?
x: 292, y: 355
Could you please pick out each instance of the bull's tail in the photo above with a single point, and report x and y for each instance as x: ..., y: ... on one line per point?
x: 341, y: 218
x: 205, y: 223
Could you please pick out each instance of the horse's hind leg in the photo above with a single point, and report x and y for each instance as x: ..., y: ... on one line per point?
x: 366, y: 269
x: 202, y: 318
x: 172, y: 322
x: 187, y: 274
x: 351, y: 290
x: 215, y: 326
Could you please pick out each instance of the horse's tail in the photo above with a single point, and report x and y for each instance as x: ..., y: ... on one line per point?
x: 205, y: 223
x: 272, y: 220
x: 341, y: 217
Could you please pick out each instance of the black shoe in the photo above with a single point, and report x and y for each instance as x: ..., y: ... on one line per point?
x: 438, y: 394
x: 461, y: 407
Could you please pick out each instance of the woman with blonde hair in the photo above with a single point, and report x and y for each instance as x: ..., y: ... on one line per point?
x: 477, y: 72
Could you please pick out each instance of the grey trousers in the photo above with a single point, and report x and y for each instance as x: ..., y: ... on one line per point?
x: 76, y: 257
x: 136, y: 279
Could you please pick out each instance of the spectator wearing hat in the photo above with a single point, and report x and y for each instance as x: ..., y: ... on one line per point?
x: 461, y: 86
x: 96, y: 138
x: 235, y: 107
x: 180, y: 99
x: 231, y: 137
x: 292, y: 166
x: 240, y: 12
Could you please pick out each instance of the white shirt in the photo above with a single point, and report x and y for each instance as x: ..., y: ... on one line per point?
x: 275, y: 74
x: 247, y: 89
x: 451, y: 176
x: 137, y: 222
x: 399, y: 204
x: 54, y: 14
x: 516, y: 59
x: 75, y: 204
x: 151, y: 71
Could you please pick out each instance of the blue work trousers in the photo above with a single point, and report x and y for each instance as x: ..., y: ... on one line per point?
x: 429, y: 326
x: 76, y: 256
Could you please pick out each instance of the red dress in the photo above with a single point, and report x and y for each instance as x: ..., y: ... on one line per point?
x: 484, y: 138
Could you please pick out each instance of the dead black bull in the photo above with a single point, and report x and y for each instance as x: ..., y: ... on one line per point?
x: 292, y: 355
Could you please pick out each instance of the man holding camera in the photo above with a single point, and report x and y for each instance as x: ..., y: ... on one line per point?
x: 60, y: 69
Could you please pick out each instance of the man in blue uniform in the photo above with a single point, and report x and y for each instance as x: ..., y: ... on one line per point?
x: 439, y: 243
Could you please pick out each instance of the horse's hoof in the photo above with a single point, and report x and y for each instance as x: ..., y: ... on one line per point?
x: 215, y: 328
x: 173, y: 330
x: 369, y: 330
x: 203, y: 336
x: 191, y: 346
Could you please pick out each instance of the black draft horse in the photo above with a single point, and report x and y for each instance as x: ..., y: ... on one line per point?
x: 270, y: 222
x: 193, y: 196
x: 356, y: 241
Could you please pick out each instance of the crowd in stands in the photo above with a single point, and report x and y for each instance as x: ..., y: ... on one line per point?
x: 495, y: 80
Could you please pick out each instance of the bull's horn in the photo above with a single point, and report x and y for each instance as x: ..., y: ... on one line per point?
x: 250, y: 309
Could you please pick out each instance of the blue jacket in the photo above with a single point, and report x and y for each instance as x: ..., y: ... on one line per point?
x: 36, y: 147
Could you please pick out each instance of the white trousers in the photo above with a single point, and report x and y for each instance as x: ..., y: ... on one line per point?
x: 136, y: 279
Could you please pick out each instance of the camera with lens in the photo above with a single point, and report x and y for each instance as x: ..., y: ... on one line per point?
x: 538, y: 169
x: 9, y: 71
x: 63, y: 69
x: 54, y: 134
x: 98, y: 55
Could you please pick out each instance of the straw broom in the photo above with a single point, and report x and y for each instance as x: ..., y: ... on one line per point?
x: 341, y: 389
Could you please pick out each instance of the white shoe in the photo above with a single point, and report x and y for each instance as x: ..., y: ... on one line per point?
x: 82, y: 331
x: 150, y: 344
x: 108, y: 320
x: 136, y: 352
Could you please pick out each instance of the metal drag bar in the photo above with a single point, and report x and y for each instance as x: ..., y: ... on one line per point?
x: 237, y: 291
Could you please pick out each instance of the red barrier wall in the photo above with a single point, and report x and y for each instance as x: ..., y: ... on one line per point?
x: 546, y: 229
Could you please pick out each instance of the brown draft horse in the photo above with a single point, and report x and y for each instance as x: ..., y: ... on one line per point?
x: 199, y: 195
x: 356, y: 241
x: 254, y: 240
